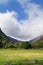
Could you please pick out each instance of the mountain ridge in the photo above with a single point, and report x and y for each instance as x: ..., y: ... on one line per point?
x: 39, y: 38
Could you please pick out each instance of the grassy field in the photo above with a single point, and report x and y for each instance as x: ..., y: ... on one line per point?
x: 21, y: 57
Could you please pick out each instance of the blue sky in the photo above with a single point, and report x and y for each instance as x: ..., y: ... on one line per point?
x: 39, y: 2
x: 22, y: 19
x: 14, y: 5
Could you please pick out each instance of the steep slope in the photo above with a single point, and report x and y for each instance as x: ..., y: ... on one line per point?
x: 37, y: 42
x: 4, y: 41
x: 2, y: 36
x: 7, y: 38
x: 40, y: 38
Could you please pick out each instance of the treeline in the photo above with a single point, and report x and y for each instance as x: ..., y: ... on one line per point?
x: 5, y: 43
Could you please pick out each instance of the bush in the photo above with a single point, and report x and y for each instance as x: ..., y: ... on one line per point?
x: 24, y: 45
x: 37, y: 45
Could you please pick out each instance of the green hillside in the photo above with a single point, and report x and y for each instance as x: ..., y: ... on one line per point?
x: 5, y: 43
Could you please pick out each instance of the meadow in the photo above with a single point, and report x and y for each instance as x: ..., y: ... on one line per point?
x: 21, y: 57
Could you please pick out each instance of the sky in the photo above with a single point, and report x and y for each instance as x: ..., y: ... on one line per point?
x: 21, y: 19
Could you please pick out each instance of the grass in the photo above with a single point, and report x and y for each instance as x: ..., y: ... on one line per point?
x: 21, y: 57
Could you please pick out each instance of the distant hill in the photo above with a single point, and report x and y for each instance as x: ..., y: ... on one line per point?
x: 12, y: 39
x: 40, y: 38
x: 2, y: 35
x: 37, y: 42
x: 6, y: 42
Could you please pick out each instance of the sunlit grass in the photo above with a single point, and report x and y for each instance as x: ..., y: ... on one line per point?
x: 17, y: 55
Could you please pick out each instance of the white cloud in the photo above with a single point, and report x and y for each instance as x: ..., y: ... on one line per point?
x: 30, y: 27
x: 23, y: 2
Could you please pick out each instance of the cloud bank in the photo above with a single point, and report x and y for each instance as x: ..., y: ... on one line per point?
x: 26, y: 29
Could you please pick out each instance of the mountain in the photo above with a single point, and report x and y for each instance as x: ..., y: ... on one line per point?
x: 10, y: 39
x: 3, y: 37
x: 39, y: 38
x: 6, y: 42
x: 37, y: 43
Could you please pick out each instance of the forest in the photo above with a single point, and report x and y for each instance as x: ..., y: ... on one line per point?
x: 6, y: 43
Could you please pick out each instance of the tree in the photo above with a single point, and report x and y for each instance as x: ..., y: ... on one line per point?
x: 1, y: 44
x: 37, y: 45
x: 26, y: 45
